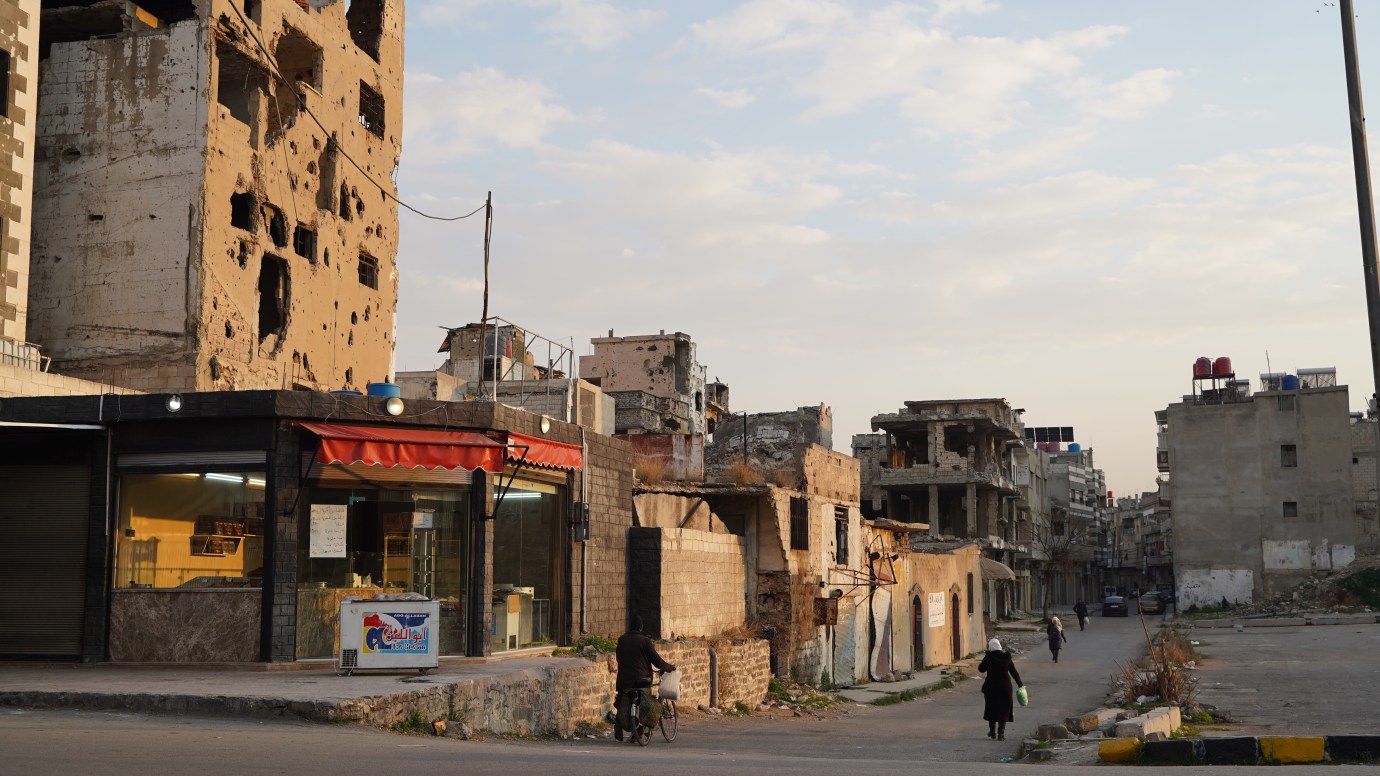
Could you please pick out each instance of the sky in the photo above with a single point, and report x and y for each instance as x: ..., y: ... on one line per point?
x: 863, y: 203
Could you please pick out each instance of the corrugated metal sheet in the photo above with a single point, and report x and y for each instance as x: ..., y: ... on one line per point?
x: 43, y: 533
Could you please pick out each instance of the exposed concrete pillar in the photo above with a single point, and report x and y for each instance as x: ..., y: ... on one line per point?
x: 970, y: 501
x: 934, y: 510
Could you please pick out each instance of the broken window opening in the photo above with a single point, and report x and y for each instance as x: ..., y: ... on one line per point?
x: 1289, y: 456
x: 299, y: 62
x: 349, y: 376
x: 253, y: 11
x: 273, y: 297
x: 304, y: 243
x: 242, y: 211
x: 371, y: 110
x: 368, y: 272
x: 365, y: 20
x: 4, y: 82
x: 66, y: 21
x: 841, y: 536
x: 277, y: 225
x: 1291, y: 509
x: 239, y: 83
x: 243, y: 257
x: 800, y: 523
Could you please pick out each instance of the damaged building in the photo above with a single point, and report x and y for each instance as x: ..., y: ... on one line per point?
x: 1262, y: 495
x: 213, y: 196
x: 503, y: 362
x: 656, y: 382
x: 779, y: 545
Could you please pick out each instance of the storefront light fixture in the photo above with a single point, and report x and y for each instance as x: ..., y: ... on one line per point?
x: 174, y: 402
x: 545, y: 424
x: 394, y: 406
x: 255, y: 482
x: 223, y: 477
x: 521, y: 495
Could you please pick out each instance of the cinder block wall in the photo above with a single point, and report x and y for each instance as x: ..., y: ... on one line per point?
x: 703, y: 583
x: 19, y: 381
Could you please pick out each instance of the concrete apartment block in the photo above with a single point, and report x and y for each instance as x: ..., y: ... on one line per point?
x: 214, y: 202
x: 1263, y: 495
x: 660, y: 365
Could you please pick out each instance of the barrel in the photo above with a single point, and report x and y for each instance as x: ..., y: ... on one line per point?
x: 1221, y: 367
x: 1202, y: 367
x: 346, y: 393
x: 383, y: 389
x: 1289, y: 383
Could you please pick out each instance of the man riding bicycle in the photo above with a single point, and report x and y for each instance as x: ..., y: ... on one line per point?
x: 636, y: 656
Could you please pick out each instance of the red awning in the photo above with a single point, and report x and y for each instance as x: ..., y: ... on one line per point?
x: 409, y: 448
x: 544, y: 452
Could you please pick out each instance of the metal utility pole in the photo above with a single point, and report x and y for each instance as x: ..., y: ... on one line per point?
x: 1360, y: 158
x: 484, y: 317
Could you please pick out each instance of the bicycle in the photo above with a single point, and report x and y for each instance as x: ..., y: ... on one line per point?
x: 669, y: 722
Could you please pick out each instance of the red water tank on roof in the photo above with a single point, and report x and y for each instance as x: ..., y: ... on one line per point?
x: 1221, y: 367
x: 1202, y: 367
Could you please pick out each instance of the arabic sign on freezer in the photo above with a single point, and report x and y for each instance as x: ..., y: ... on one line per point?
x: 397, y: 633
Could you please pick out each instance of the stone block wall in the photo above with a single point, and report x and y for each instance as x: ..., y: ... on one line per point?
x: 703, y: 583
x: 605, y: 555
x: 744, y: 670
x: 20, y: 381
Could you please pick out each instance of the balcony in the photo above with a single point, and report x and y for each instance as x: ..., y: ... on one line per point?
x: 925, y: 474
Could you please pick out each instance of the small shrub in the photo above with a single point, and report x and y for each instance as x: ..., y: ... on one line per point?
x: 414, y: 723
x: 649, y: 469
x: 738, y: 709
x: 1364, y: 586
x: 741, y: 472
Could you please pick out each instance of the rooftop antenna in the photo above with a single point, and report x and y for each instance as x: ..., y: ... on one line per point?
x: 1268, y: 368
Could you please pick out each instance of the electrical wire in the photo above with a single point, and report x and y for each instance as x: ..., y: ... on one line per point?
x: 329, y: 137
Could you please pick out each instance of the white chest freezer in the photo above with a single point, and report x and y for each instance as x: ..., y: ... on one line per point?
x: 389, y: 634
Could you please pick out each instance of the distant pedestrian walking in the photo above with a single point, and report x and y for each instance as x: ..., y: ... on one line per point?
x: 1081, y: 609
x: 998, y: 697
x: 1057, y: 639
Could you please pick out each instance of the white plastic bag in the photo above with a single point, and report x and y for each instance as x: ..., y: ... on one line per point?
x: 670, y: 686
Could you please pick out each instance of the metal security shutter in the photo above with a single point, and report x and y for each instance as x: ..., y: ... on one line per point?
x: 44, y: 512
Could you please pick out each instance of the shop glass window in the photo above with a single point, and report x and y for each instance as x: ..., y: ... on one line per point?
x: 190, y: 530
x: 526, y: 565
x: 360, y: 543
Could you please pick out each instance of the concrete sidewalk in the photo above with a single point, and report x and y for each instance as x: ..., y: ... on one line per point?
x: 500, y: 695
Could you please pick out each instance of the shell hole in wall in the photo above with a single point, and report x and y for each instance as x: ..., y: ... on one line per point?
x: 326, y: 256
x: 243, y: 257
x: 354, y: 318
x: 349, y: 376
x: 214, y: 364
x: 344, y: 202
x: 273, y: 296
x: 242, y: 211
x: 229, y: 331
x: 366, y: 312
x: 351, y: 339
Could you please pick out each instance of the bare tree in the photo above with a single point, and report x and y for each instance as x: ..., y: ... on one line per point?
x: 1062, y: 544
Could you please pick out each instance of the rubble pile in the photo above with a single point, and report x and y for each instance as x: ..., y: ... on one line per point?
x: 1320, y: 591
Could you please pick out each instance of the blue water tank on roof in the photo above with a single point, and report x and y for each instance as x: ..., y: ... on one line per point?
x: 1289, y: 382
x: 1074, y: 447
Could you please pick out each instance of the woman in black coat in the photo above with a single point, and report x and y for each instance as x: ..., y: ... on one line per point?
x: 1057, y: 639
x: 998, y: 697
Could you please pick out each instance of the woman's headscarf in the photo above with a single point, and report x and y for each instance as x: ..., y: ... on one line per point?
x: 1056, y: 622
x: 994, y: 646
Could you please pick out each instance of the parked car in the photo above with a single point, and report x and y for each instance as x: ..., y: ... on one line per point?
x: 1115, y: 605
x: 1151, y: 603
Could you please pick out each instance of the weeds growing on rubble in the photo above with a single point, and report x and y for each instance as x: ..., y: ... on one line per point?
x: 1161, y: 672
x: 414, y: 723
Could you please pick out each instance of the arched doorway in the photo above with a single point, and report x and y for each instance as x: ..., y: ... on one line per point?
x: 917, y: 635
x: 958, y: 633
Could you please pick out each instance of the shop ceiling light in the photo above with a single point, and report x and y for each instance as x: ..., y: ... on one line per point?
x: 255, y: 482
x: 174, y: 402
x: 223, y: 477
x: 394, y: 406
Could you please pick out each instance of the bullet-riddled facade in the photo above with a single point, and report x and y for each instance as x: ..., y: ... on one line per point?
x: 213, y: 196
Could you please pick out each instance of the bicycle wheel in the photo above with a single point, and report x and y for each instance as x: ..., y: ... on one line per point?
x: 670, y: 721
x: 643, y: 736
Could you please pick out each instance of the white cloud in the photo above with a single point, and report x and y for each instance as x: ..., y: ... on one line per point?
x: 1129, y: 98
x: 471, y: 111
x: 737, y: 98
x: 947, y: 8
x: 943, y: 84
x: 593, y: 24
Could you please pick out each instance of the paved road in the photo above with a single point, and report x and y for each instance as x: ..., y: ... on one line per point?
x: 66, y: 743
x: 1311, y: 680
x: 946, y: 726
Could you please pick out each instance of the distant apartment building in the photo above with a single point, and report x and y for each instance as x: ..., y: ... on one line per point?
x: 656, y: 382
x: 1261, y: 483
x: 213, y: 201
x: 952, y: 466
x: 1079, y: 526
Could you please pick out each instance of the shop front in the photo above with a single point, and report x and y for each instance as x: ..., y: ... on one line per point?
x: 236, y: 539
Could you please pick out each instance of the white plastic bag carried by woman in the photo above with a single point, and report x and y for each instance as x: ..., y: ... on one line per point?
x: 670, y: 685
